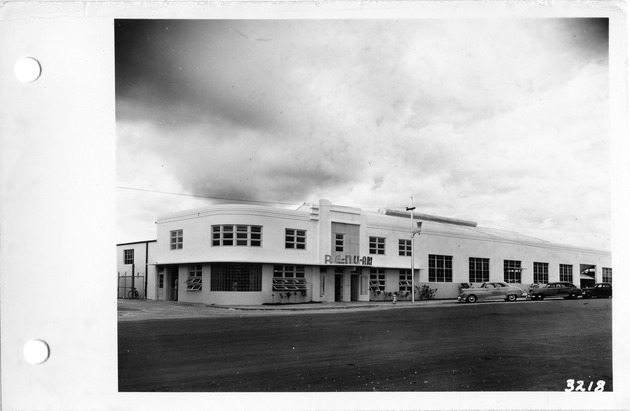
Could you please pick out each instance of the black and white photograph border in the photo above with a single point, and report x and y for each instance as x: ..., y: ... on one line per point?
x: 75, y: 149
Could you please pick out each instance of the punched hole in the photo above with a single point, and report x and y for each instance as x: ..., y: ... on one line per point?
x: 27, y: 69
x: 36, y: 351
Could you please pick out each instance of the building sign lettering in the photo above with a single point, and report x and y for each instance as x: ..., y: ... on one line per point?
x: 347, y: 259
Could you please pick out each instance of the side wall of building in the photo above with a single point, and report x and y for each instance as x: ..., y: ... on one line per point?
x: 330, y: 275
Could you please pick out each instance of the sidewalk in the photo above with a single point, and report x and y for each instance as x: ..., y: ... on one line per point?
x: 135, y: 310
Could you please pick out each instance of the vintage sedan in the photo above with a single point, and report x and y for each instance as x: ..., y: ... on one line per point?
x: 556, y: 289
x: 491, y: 291
x: 601, y: 290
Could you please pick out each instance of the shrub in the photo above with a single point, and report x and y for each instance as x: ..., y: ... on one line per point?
x: 425, y: 292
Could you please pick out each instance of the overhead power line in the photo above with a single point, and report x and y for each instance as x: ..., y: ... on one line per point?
x: 232, y: 199
x: 204, y: 196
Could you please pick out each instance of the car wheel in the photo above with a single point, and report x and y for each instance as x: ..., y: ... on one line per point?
x: 541, y: 297
x: 471, y: 298
x: 511, y: 297
x: 573, y: 296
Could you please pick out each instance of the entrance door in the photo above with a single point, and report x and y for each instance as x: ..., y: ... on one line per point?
x: 338, y: 287
x: 173, y: 281
x: 354, y: 288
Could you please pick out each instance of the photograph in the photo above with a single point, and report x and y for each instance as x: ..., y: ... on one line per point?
x: 364, y: 205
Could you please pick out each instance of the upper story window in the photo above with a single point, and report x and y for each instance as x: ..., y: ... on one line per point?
x: 404, y: 247
x: 541, y: 273
x: 295, y: 239
x: 177, y: 239
x: 129, y: 256
x: 237, y: 235
x: 377, y: 245
x: 339, y: 242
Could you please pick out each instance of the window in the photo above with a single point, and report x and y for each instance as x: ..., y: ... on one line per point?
x: 377, y: 280
x: 129, y: 256
x: 404, y: 247
x: 377, y: 245
x: 160, y: 280
x: 194, y: 278
x: 566, y: 273
x: 512, y: 271
x: 607, y: 275
x: 404, y: 280
x: 541, y: 273
x: 240, y: 235
x: 295, y: 239
x: 440, y: 268
x: 177, y: 239
x: 289, y: 278
x: 236, y: 277
x: 478, y: 270
x: 339, y: 242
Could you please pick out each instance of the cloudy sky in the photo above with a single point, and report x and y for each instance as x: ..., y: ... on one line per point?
x: 500, y: 121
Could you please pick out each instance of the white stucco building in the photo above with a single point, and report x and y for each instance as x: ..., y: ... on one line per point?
x: 251, y: 255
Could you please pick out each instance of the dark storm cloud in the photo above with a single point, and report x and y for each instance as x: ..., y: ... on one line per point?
x: 183, y: 71
x: 464, y: 114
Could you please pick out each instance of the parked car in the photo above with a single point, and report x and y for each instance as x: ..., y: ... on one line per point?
x: 558, y: 289
x: 489, y: 291
x: 601, y: 290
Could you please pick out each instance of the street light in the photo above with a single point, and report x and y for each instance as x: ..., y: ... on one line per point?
x: 413, y: 233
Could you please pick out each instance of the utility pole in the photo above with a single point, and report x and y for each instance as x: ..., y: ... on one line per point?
x: 413, y: 289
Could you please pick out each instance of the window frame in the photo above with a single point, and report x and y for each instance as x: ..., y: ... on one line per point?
x: 478, y: 270
x: 541, y: 273
x: 514, y: 268
x: 177, y: 239
x: 289, y: 278
x: 224, y: 276
x: 566, y: 272
x: 440, y: 268
x: 128, y: 256
x: 195, y: 277
x: 404, y: 247
x: 404, y: 280
x: 340, y: 242
x: 295, y: 239
x: 377, y: 280
x: 376, y: 245
x: 236, y: 235
x: 607, y: 275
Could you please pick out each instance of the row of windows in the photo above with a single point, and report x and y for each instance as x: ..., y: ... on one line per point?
x: 441, y: 270
x: 228, y: 235
x: 248, y: 277
x: 245, y: 277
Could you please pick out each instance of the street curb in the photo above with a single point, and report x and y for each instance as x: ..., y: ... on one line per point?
x: 406, y: 304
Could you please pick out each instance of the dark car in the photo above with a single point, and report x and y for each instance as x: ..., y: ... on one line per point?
x: 559, y: 289
x: 601, y: 290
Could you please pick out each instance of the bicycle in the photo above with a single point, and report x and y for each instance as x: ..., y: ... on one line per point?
x: 133, y: 294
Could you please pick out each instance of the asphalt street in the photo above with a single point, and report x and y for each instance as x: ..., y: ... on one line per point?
x: 520, y: 346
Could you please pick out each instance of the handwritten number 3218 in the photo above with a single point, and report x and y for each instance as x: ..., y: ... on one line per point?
x: 580, y: 386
